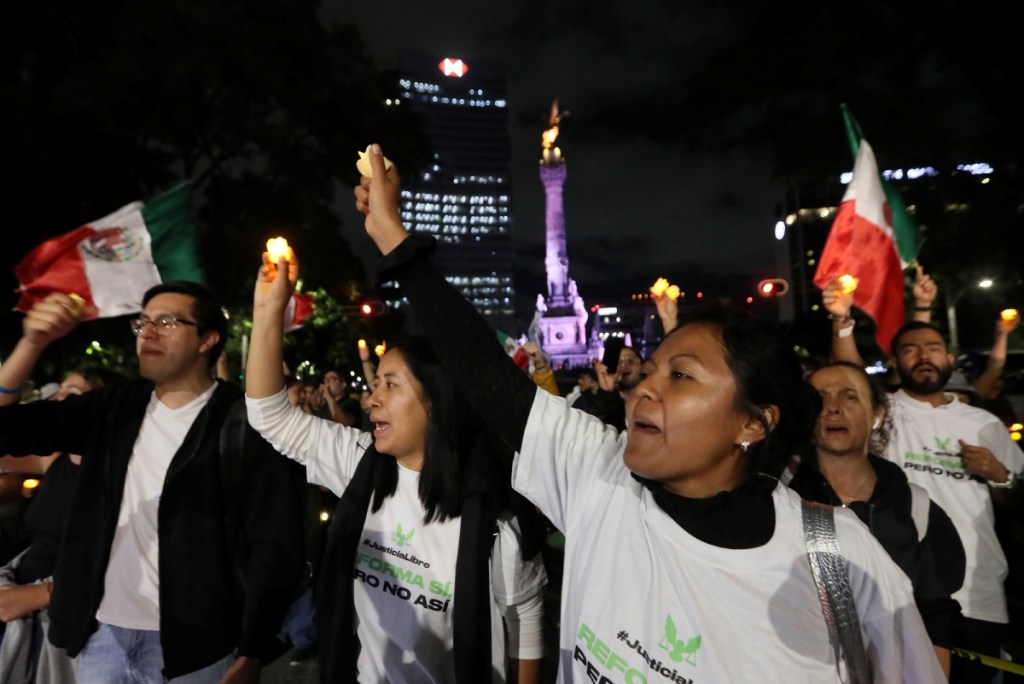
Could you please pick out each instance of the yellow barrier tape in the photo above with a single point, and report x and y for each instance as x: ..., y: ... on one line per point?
x: 1004, y: 665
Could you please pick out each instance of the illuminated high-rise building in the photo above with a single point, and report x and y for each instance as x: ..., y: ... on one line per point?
x: 463, y: 196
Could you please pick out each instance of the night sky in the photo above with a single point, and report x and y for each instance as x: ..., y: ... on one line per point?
x: 637, y: 207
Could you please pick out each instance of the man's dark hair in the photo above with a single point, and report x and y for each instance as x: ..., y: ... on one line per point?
x: 910, y: 327
x: 207, y: 312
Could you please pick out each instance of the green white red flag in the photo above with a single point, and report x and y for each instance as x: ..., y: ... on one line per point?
x: 300, y: 307
x: 112, y: 261
x: 873, y: 239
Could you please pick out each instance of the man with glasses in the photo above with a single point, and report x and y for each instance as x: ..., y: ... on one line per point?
x: 180, y: 555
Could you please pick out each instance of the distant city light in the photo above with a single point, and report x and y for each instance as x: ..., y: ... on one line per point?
x: 780, y: 230
x: 453, y: 67
x: 978, y: 169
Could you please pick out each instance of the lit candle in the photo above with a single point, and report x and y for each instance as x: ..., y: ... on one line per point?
x: 362, y: 344
x: 848, y: 283
x: 673, y: 292
x: 79, y: 308
x: 380, y: 349
x: 1009, y: 314
x: 277, y: 249
x: 659, y: 287
x: 363, y: 165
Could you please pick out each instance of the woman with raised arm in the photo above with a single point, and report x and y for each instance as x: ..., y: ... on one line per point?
x: 427, y: 575
x: 685, y: 559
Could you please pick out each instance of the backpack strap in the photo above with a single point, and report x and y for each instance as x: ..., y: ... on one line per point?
x: 920, y: 506
x: 832, y: 578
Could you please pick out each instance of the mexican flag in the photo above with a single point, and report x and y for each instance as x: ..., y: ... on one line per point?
x: 112, y: 261
x: 873, y: 239
x: 300, y: 307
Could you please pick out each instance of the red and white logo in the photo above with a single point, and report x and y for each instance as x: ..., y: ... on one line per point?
x: 453, y: 67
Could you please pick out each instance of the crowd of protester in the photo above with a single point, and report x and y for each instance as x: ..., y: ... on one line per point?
x: 730, y: 511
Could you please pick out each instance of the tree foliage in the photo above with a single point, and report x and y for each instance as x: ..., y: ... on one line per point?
x: 260, y: 105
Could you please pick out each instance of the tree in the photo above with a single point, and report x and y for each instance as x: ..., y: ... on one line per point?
x: 260, y: 105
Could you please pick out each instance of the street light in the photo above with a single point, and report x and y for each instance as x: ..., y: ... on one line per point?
x: 954, y: 335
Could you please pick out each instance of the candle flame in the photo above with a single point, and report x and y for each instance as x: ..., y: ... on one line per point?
x: 277, y: 249
x: 362, y: 344
x: 662, y: 287
x: 380, y: 349
x: 1009, y: 314
x: 848, y: 283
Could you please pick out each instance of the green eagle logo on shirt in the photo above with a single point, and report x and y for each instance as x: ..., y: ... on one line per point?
x: 400, y: 538
x: 678, y: 649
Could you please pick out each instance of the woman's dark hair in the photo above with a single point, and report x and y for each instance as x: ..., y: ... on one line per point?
x: 767, y: 372
x: 448, y: 425
x: 878, y: 397
x: 208, y: 313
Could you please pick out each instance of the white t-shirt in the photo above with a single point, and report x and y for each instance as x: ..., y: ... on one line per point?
x: 644, y: 601
x: 405, y: 569
x: 131, y: 587
x: 924, y: 443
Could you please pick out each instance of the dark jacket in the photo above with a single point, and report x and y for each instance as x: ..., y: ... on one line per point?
x: 230, y: 549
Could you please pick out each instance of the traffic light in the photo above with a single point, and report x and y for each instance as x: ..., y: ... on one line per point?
x: 772, y: 287
x: 371, y: 307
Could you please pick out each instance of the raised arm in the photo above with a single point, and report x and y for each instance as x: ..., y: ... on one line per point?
x: 458, y: 334
x: 49, y: 319
x: 543, y: 375
x: 925, y: 290
x: 263, y: 369
x: 668, y: 311
x: 839, y: 305
x: 986, y: 383
x: 364, y: 359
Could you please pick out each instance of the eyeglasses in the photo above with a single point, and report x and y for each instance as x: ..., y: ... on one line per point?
x: 161, y: 324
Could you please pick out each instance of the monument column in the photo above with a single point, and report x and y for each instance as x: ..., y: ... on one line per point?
x: 556, y: 263
x: 563, y: 316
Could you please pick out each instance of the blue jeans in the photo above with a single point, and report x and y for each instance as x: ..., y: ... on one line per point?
x: 116, y: 655
x: 299, y: 628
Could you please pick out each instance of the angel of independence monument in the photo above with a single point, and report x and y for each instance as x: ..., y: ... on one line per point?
x: 561, y: 316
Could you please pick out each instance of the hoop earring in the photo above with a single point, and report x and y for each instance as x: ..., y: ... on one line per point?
x: 744, y: 445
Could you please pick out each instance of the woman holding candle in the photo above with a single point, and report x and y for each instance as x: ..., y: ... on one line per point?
x: 424, y: 559
x: 680, y: 542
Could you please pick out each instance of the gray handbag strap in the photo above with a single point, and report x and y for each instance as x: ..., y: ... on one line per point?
x: 833, y: 582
